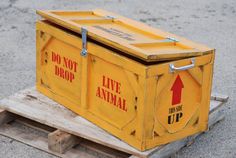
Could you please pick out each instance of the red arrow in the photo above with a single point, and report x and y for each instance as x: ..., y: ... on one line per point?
x: 177, y: 90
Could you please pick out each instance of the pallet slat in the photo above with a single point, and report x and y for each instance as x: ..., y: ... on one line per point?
x: 32, y: 105
x: 5, y: 117
x: 59, y: 141
x: 219, y: 97
x: 38, y: 142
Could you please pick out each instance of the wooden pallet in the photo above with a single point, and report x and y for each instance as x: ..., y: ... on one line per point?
x: 68, y: 135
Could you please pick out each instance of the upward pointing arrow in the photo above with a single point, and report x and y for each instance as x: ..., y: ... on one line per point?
x: 177, y: 90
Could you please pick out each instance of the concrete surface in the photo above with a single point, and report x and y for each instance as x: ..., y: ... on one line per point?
x: 211, y: 22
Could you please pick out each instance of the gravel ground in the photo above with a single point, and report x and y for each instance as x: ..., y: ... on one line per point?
x: 211, y: 22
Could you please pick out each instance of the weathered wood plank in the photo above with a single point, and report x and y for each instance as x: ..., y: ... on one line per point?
x: 5, y: 117
x: 35, y: 125
x: 133, y: 156
x: 38, y: 141
x: 219, y: 97
x: 104, y: 150
x: 60, y: 141
x: 33, y: 105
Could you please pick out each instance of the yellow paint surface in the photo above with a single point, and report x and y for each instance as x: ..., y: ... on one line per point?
x: 129, y: 99
x: 127, y: 35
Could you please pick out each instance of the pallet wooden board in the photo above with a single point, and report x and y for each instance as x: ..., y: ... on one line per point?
x: 32, y: 105
x: 39, y: 142
x: 39, y: 139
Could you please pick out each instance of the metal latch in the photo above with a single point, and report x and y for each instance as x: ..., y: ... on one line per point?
x: 84, y: 42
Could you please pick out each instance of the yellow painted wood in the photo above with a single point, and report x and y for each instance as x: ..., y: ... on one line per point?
x: 154, y: 70
x: 129, y: 36
x: 128, y: 98
x: 149, y: 108
x: 197, y: 74
x: 84, y: 82
x: 206, y: 94
x: 103, y: 53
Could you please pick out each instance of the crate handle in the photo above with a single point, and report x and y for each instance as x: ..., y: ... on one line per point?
x: 186, y: 67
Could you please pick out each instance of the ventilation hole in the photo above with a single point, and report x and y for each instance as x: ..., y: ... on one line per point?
x: 46, y: 54
x: 41, y: 81
x: 136, y: 76
x: 135, y: 104
x: 133, y: 133
x: 201, y: 68
x: 41, y: 34
x: 155, y: 134
x: 196, y: 122
x: 93, y: 60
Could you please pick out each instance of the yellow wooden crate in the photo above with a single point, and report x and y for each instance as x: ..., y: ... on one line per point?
x: 143, y: 85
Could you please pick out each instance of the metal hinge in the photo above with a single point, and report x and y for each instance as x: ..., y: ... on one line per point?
x: 84, y: 42
x: 110, y: 17
x: 172, y: 39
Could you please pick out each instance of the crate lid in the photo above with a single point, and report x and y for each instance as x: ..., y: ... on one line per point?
x: 129, y: 36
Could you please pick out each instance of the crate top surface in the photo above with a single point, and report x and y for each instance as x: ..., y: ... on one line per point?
x: 126, y: 35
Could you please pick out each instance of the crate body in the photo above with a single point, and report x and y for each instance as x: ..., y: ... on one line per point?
x: 128, y: 99
x: 144, y: 103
